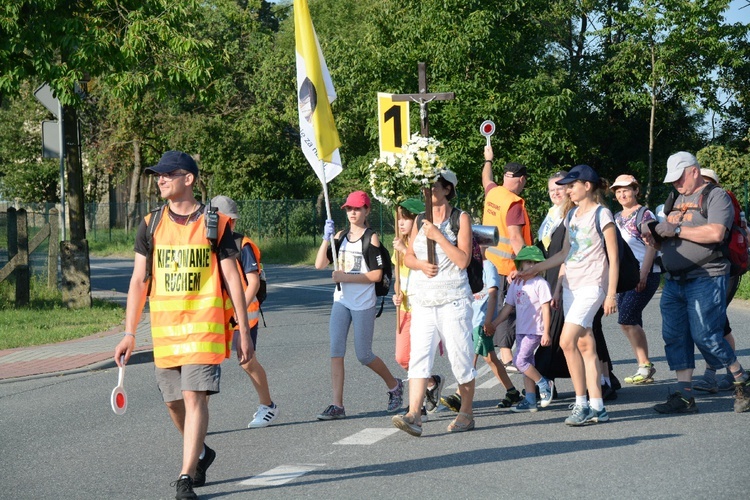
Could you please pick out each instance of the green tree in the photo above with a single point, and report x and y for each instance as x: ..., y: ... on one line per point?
x: 664, y: 50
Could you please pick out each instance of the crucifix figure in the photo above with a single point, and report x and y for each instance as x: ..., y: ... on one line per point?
x: 423, y: 98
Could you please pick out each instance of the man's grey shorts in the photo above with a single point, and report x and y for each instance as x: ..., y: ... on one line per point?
x: 198, y: 378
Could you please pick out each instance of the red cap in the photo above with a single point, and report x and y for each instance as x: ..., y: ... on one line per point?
x: 357, y: 199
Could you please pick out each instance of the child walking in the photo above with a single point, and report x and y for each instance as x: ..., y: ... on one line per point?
x: 354, y: 301
x: 486, y: 308
x: 531, y: 301
x: 407, y: 213
x: 590, y: 280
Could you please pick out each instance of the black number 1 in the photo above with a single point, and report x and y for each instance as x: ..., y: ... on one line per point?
x: 395, y: 113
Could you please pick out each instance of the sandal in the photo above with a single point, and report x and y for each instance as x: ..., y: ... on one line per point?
x: 511, y: 397
x: 457, y: 426
x: 407, y: 424
x: 639, y: 378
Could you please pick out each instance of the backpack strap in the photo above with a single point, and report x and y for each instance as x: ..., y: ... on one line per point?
x: 238, y: 237
x: 153, y: 222
x: 639, y: 216
x: 455, y: 221
x: 365, y: 248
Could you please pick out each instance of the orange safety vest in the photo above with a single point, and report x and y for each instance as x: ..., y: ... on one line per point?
x: 253, y: 307
x: 496, y: 205
x: 190, y: 309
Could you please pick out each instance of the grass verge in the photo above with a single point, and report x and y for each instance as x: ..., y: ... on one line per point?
x: 46, y: 320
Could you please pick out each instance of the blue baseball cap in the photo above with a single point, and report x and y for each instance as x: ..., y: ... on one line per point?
x: 582, y: 173
x: 174, y: 160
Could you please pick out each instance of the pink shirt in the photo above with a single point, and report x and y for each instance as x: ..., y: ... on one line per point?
x: 586, y: 263
x: 528, y: 298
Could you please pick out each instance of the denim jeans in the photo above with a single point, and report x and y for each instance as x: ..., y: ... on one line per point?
x: 693, y: 314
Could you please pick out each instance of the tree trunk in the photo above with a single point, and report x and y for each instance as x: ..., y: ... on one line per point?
x: 74, y: 174
x: 651, y: 128
x: 134, y: 196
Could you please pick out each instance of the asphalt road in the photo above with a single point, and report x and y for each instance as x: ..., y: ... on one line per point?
x: 60, y: 439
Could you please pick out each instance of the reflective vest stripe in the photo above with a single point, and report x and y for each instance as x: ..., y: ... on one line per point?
x: 191, y: 328
x: 253, y: 307
x: 192, y: 353
x: 500, y: 253
x: 185, y: 305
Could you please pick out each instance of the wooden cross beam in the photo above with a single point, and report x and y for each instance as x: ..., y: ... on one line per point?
x: 423, y: 98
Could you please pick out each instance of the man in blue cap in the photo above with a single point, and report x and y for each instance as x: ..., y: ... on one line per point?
x: 185, y: 273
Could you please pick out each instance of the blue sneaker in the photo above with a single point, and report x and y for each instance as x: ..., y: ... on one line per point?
x: 524, y: 406
x: 578, y: 417
x: 545, y: 397
x: 597, y: 416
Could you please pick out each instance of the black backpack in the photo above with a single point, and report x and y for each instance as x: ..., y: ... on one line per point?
x: 475, y: 270
x: 629, y: 273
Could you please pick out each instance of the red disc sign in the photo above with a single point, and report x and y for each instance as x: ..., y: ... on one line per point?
x: 487, y: 128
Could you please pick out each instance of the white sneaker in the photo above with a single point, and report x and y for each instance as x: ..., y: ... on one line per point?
x: 264, y: 416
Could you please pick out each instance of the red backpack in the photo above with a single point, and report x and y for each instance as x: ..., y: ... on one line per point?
x: 735, y: 244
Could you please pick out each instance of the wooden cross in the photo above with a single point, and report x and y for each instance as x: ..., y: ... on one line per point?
x: 423, y: 98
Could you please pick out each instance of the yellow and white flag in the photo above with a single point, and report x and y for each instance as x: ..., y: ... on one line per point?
x: 315, y: 93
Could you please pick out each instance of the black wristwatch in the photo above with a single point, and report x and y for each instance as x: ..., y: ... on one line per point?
x: 677, y: 231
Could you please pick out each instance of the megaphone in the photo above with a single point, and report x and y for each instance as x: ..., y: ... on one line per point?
x: 486, y: 235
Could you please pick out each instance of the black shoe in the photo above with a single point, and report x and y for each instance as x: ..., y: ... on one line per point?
x: 452, y: 402
x: 203, y: 465
x: 184, y: 488
x: 511, y: 397
x: 677, y: 404
x: 616, y: 385
x: 608, y: 393
x: 432, y: 396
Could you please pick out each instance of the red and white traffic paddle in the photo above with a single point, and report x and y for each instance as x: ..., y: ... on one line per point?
x: 487, y: 128
x: 119, y: 398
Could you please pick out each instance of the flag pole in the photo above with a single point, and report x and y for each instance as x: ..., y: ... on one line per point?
x: 328, y: 215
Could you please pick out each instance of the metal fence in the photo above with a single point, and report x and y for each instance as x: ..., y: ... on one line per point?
x: 259, y: 219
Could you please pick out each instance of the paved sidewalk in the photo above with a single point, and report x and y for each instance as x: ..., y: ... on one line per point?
x: 93, y: 352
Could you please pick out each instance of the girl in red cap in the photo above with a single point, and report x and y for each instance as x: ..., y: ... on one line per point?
x: 354, y: 301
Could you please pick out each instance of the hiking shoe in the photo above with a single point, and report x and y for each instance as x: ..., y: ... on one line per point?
x: 432, y: 396
x: 639, y: 378
x: 396, y: 397
x: 524, y: 406
x: 203, y: 465
x: 596, y: 416
x: 511, y: 397
x: 333, y: 412
x: 510, y: 367
x: 184, y: 488
x: 677, y: 404
x: 741, y: 397
x: 264, y: 416
x: 578, y: 417
x: 545, y: 397
x: 452, y: 402
x: 705, y: 384
x: 726, y: 383
x: 407, y: 424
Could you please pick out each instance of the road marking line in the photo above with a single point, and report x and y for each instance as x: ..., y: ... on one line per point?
x: 480, y: 373
x: 368, y: 436
x: 322, y: 288
x: 280, y: 475
x: 489, y: 384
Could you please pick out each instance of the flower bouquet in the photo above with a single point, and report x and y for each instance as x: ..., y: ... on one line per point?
x: 396, y: 177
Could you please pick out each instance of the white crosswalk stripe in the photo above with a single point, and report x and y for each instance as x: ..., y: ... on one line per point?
x: 280, y: 475
x: 368, y: 436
